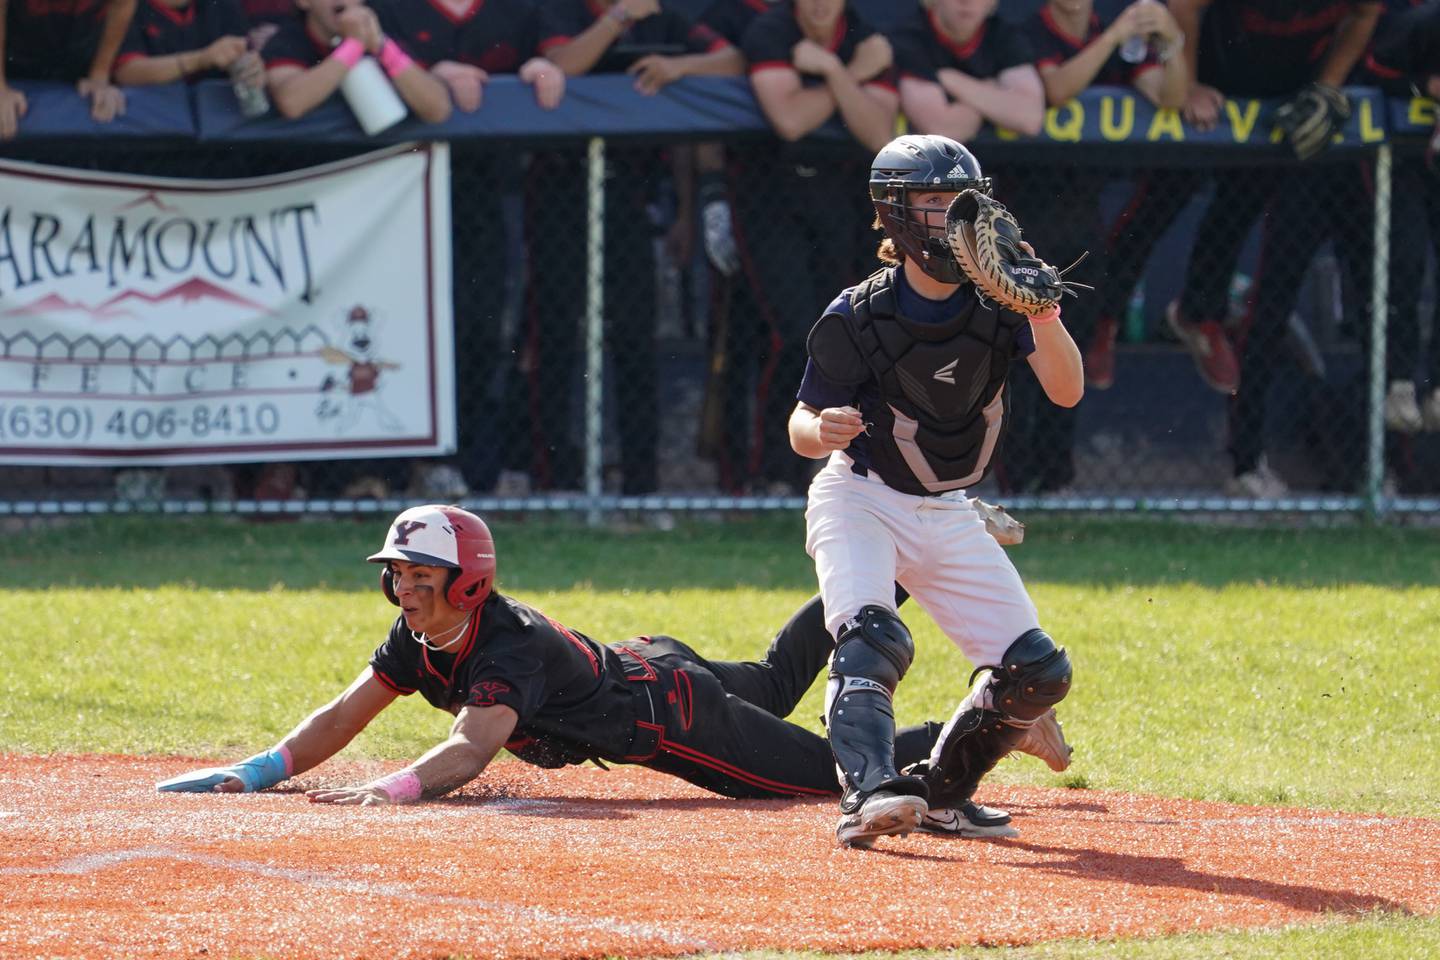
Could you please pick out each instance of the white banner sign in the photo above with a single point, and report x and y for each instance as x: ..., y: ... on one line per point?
x: 300, y: 316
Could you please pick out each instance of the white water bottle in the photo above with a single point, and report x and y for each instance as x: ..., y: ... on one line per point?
x: 1136, y: 46
x: 373, y: 100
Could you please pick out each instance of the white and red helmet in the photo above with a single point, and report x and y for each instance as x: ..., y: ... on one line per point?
x: 441, y: 536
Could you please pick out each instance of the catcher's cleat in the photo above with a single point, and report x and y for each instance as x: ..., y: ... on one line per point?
x: 1045, y: 739
x: 882, y: 814
x: 970, y: 819
x: 1214, y: 356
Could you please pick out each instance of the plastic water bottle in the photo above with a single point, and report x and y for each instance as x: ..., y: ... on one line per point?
x: 1135, y: 315
x: 1136, y: 47
x: 252, y: 98
x: 373, y: 100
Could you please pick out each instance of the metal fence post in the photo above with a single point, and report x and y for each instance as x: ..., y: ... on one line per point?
x: 1379, y: 322
x: 595, y: 328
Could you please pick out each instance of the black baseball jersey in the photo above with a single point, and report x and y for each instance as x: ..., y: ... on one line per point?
x: 1268, y: 48
x: 293, y: 45
x: 666, y: 33
x: 159, y: 30
x: 921, y: 49
x: 51, y: 39
x: 1406, y: 50
x: 495, y: 35
x: 268, y: 11
x: 1052, y: 46
x: 771, y: 37
x: 562, y: 685
x: 731, y: 18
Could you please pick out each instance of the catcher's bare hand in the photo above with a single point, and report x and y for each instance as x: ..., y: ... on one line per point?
x: 838, y: 426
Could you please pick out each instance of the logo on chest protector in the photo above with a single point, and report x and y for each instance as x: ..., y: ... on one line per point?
x: 946, y: 374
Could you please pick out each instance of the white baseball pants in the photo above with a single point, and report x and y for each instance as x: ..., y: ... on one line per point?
x: 864, y: 536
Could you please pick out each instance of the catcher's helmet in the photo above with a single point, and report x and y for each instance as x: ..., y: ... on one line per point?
x: 439, y: 536
x: 922, y: 163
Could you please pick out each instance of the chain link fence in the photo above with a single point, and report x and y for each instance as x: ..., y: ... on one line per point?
x: 603, y: 362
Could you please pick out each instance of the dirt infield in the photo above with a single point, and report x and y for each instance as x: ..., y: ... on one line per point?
x: 586, y: 863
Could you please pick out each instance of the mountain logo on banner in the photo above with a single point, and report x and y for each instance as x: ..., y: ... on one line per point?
x: 195, y: 290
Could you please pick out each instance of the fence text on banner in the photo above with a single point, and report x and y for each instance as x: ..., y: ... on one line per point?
x: 154, y: 321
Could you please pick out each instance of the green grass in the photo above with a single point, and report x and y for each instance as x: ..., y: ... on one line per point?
x: 1271, y: 666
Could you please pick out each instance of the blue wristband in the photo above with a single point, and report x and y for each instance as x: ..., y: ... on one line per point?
x: 261, y: 771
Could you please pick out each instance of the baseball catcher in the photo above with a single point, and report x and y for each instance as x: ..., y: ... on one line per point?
x: 904, y: 394
x: 1311, y: 118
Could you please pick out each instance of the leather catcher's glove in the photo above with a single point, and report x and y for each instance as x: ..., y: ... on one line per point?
x: 1312, y: 117
x: 985, y: 239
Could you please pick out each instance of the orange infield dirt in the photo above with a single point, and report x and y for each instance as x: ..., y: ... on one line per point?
x: 588, y: 863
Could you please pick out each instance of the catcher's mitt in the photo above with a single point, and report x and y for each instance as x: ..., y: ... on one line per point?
x: 1310, y: 118
x: 985, y: 239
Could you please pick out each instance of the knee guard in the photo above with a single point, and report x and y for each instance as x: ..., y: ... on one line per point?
x: 872, y: 655
x: 1033, y: 676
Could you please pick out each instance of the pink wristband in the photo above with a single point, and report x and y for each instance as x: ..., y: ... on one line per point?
x: 1049, y: 316
x: 393, y: 59
x: 289, y: 761
x: 402, y: 786
x: 349, y: 52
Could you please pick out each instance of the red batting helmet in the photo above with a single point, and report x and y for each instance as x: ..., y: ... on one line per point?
x: 440, y: 536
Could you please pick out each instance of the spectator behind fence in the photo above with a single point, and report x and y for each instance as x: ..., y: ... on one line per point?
x: 1406, y: 62
x: 1309, y: 204
x: 310, y: 54
x: 1240, y: 48
x: 1076, y: 48
x: 655, y: 45
x: 463, y: 45
x: 734, y: 319
x: 173, y: 40
x: 70, y: 41
x: 800, y: 222
x: 960, y: 66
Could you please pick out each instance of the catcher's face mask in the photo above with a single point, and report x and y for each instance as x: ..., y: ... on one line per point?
x: 912, y: 175
x: 915, y: 221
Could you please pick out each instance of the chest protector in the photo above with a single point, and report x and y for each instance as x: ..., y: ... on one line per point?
x: 942, y: 386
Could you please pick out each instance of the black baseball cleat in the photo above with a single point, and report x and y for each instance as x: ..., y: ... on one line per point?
x: 968, y: 820
x: 881, y: 814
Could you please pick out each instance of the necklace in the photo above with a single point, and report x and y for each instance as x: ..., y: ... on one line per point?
x: 428, y: 642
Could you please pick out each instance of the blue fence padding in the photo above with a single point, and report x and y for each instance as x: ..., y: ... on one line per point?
x: 608, y: 106
x: 1120, y: 115
x: 58, y: 110
x: 1412, y: 117
x: 605, y: 106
